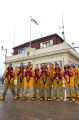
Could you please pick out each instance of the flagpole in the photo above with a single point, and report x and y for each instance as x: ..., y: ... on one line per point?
x: 14, y: 38
x: 30, y: 31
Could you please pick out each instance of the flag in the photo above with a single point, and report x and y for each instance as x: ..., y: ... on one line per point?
x: 34, y: 21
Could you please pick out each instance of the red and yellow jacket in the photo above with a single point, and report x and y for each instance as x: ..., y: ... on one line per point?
x: 37, y: 73
x: 9, y: 73
x: 29, y: 72
x: 20, y: 72
x: 51, y: 72
x: 44, y: 73
x: 57, y: 74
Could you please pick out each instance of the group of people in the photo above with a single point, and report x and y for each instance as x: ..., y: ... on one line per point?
x: 42, y: 79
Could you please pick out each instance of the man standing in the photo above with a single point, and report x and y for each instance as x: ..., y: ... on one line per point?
x: 20, y: 79
x: 37, y: 80
x: 69, y: 82
x: 45, y: 83
x: 75, y: 73
x: 28, y: 81
x: 57, y: 82
x: 9, y: 76
x: 51, y: 71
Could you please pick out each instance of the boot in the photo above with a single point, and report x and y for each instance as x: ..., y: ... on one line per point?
x: 24, y: 97
x: 55, y: 97
x: 41, y: 98
x: 73, y: 99
x: 15, y: 97
x: 61, y: 98
x: 48, y: 99
x: 3, y: 97
x: 67, y: 99
x: 32, y: 98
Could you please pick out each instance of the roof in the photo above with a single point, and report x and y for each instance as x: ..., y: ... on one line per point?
x: 39, y: 39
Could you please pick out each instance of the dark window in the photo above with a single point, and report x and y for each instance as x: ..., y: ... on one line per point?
x: 46, y: 44
x: 21, y: 50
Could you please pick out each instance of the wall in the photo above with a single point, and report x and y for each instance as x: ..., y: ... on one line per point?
x: 57, y: 53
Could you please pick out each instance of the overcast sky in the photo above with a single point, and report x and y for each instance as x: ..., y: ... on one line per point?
x: 15, y: 14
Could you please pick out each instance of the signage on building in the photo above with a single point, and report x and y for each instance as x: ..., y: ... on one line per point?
x: 28, y: 53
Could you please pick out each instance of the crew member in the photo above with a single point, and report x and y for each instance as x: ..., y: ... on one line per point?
x: 69, y: 82
x: 20, y: 79
x: 57, y: 82
x: 28, y: 81
x: 45, y: 83
x: 9, y: 76
x: 75, y: 73
x: 37, y: 80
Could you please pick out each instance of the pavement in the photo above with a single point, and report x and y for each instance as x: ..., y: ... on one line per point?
x: 37, y: 110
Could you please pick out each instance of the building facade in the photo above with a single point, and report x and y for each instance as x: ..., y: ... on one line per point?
x: 61, y: 53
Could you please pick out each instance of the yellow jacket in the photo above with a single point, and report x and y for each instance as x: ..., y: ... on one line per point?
x: 74, y: 71
x: 51, y: 72
x: 9, y: 75
x: 29, y: 71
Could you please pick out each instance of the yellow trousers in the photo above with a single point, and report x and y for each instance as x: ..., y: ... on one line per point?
x: 45, y: 86
x: 57, y: 85
x: 36, y: 86
x: 70, y: 89
x: 28, y: 84
x: 20, y: 84
x: 76, y: 85
x: 9, y: 83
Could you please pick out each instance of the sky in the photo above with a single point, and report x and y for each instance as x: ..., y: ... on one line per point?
x: 15, y: 22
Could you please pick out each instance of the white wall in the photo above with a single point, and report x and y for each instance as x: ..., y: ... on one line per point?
x: 52, y: 54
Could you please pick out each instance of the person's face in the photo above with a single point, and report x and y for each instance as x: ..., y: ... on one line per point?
x: 51, y: 65
x: 21, y: 65
x: 72, y: 65
x: 29, y: 64
x: 66, y: 66
x: 37, y: 68
x: 44, y: 65
x: 56, y: 66
x: 10, y: 65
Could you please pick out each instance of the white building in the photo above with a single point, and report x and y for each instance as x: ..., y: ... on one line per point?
x: 62, y: 53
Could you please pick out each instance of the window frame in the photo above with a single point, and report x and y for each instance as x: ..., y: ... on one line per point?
x: 20, y: 50
x: 45, y: 43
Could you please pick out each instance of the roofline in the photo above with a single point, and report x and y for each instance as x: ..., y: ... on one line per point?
x: 72, y: 47
x: 39, y: 39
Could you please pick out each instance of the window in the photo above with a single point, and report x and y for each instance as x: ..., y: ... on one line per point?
x: 46, y: 44
x: 51, y: 42
x: 41, y: 45
x: 21, y: 50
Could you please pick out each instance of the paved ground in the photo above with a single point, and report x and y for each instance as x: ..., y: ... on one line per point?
x: 36, y: 110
